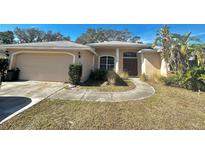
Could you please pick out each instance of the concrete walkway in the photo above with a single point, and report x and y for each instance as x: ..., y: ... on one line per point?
x: 141, y: 91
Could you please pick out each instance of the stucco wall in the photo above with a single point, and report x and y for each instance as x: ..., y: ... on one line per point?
x: 86, y: 59
x: 163, y: 69
x: 151, y: 63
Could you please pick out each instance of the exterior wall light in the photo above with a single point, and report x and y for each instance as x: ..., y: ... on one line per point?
x: 79, y: 56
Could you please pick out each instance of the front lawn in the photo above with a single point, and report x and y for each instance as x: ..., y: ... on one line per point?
x: 169, y: 108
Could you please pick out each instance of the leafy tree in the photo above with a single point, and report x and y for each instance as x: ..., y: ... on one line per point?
x: 50, y: 36
x: 101, y: 35
x: 36, y: 35
x: 29, y: 35
x: 6, y: 37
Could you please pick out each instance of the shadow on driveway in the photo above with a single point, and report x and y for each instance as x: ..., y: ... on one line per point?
x: 11, y: 104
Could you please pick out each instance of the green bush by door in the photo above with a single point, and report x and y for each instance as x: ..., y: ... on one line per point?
x: 75, y: 73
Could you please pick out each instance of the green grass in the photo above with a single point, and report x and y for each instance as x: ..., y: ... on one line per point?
x: 169, y: 108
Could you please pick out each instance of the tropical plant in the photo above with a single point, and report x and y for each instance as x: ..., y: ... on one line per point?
x: 194, y: 78
x: 177, y: 49
x: 183, y: 50
x: 164, y: 40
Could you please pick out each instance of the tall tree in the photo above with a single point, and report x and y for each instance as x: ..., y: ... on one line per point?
x: 50, y: 36
x: 177, y: 49
x: 101, y: 35
x: 6, y: 37
x: 35, y: 35
x: 164, y: 39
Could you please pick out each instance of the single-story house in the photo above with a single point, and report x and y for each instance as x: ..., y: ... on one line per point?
x: 49, y: 61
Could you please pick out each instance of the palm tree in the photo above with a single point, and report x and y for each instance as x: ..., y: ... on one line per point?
x: 165, y: 41
x: 177, y: 49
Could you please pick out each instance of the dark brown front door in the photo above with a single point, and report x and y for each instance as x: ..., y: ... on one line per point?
x: 130, y: 66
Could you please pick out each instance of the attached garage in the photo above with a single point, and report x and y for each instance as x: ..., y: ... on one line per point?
x: 49, y: 61
x: 43, y: 66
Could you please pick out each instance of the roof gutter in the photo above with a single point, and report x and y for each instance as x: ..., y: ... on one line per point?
x: 44, y: 48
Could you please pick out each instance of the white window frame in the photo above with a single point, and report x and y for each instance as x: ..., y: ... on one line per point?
x: 106, y: 61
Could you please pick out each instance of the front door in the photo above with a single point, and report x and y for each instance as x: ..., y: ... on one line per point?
x: 130, y: 64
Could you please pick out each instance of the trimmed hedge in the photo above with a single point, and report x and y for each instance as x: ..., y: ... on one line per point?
x: 75, y: 73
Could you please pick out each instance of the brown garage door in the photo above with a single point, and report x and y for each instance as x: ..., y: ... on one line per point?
x: 43, y: 66
x: 130, y: 66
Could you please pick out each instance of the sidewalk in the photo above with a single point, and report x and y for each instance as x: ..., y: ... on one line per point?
x: 141, y: 91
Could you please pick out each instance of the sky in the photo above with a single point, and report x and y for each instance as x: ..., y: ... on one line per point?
x: 147, y: 32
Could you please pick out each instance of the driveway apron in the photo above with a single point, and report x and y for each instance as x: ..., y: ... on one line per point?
x: 16, y: 97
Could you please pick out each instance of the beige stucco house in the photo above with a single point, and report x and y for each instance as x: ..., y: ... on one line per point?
x: 49, y: 61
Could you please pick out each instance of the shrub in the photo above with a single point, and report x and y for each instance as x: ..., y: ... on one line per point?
x: 192, y: 79
x: 4, y: 64
x: 124, y: 75
x: 143, y: 77
x: 173, y: 80
x: 98, y: 74
x: 114, y: 79
x: 75, y: 73
x: 155, y: 77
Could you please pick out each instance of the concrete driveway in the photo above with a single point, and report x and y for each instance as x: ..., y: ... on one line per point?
x: 16, y: 97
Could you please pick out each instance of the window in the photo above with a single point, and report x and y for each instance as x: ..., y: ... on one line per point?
x: 107, y: 62
x: 130, y: 55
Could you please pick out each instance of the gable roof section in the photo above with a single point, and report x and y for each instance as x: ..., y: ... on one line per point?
x: 54, y: 45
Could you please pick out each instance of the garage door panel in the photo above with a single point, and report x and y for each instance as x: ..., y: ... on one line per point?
x: 45, y: 67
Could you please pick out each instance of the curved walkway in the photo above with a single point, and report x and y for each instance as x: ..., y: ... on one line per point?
x: 141, y: 91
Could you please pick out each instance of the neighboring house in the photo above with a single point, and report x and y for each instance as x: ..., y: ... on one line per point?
x: 49, y: 61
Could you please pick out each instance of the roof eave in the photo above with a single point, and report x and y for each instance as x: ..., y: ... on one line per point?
x: 44, y: 48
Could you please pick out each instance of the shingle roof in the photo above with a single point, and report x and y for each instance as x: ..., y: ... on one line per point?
x: 119, y: 44
x: 49, y: 45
